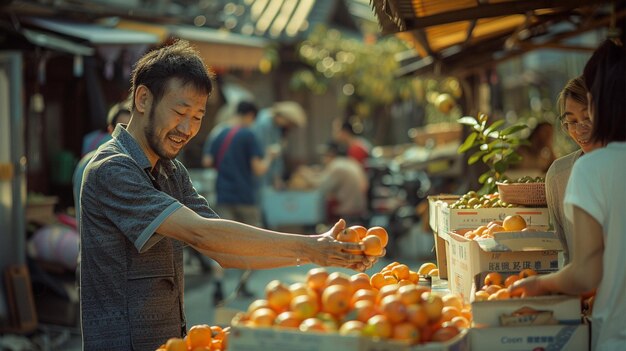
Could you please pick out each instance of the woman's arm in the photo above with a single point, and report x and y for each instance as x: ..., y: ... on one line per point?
x: 583, y: 273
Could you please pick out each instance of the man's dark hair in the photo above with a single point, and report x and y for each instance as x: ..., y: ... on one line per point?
x: 178, y: 60
x: 606, y: 69
x: 245, y: 107
x: 335, y: 148
x: 348, y: 127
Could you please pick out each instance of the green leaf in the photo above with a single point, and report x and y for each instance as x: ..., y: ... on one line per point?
x: 514, y: 157
x: 512, y: 129
x: 494, y: 126
x: 468, y: 143
x: 475, y: 157
x: 483, y: 177
x: 500, y: 166
x: 468, y: 120
x: 489, y: 155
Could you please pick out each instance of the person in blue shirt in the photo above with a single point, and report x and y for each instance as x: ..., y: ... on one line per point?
x: 238, y: 157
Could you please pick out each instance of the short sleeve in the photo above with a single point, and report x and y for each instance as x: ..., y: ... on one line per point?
x: 128, y: 199
x: 583, y: 191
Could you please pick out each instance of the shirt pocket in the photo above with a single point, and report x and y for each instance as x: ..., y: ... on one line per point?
x: 153, y: 310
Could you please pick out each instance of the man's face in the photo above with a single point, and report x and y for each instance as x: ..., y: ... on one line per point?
x: 175, y: 119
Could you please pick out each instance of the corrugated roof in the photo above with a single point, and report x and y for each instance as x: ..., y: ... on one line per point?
x: 448, y: 34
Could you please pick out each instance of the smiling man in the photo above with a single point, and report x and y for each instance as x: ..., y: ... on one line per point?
x: 139, y: 209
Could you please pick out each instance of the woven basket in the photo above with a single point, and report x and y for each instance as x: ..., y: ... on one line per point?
x: 533, y: 194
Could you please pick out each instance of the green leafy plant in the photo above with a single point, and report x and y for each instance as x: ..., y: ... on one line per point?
x: 493, y: 144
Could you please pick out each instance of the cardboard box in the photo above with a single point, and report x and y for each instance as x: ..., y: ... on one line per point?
x: 253, y: 339
x: 441, y: 248
x: 466, y: 259
x: 549, y: 337
x: 434, y: 201
x: 292, y: 207
x: 564, y: 309
x: 450, y: 219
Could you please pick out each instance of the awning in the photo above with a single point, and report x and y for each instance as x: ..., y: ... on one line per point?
x: 221, y: 49
x: 94, y: 33
x: 450, y: 36
x: 53, y: 42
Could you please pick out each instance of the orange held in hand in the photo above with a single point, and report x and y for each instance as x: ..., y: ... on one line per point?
x: 381, y: 233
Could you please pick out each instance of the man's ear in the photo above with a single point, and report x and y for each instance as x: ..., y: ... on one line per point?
x: 143, y: 99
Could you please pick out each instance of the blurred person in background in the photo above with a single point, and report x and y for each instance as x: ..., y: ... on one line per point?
x: 344, y: 183
x: 118, y: 113
x: 595, y: 199
x: 574, y: 120
x: 356, y: 147
x: 236, y: 154
x: 271, y: 128
x: 139, y: 210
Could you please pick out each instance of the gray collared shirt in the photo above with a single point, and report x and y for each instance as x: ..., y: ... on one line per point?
x: 131, y: 276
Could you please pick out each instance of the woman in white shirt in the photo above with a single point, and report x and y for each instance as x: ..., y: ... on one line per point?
x: 595, y: 201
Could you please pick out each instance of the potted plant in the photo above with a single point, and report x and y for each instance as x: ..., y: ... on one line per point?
x: 493, y: 144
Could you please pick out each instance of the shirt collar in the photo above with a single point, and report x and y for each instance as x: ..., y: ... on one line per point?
x: 135, y: 152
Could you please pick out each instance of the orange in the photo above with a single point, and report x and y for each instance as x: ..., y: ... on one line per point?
x: 387, y: 290
x: 393, y: 308
x: 391, y: 265
x: 312, y: 324
x: 493, y: 278
x: 336, y: 300
x: 449, y: 312
x: 339, y: 278
x: 287, y: 319
x: 351, y: 328
x: 514, y: 223
x: 525, y: 273
x: 444, y: 334
x: 492, y: 289
x: 410, y: 294
x: 360, y: 230
x: 364, y: 310
x: 304, y: 306
x: 434, y: 272
x: 216, y: 345
x: 493, y: 229
x: 426, y: 267
x: 360, y: 281
x: 377, y: 280
x: 298, y: 289
x: 363, y: 294
x: 372, y: 245
x: 381, y: 233
x: 256, y: 304
x: 263, y: 317
x: 401, y: 271
x: 406, y: 332
x: 480, y: 230
x: 348, y: 235
x: 414, y: 277
x: 278, y: 296
x: 481, y: 295
x: 378, y: 326
x: 510, y: 280
x: 453, y: 300
x: 176, y: 344
x: 199, y: 336
x: 417, y: 315
x: 316, y: 278
x: 433, y: 305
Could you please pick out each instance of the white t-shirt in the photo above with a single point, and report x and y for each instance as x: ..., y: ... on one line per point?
x: 598, y: 186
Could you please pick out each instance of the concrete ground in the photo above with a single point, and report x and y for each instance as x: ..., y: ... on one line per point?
x: 415, y: 248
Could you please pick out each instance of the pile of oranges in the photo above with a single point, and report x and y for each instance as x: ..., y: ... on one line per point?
x: 374, y: 239
x: 496, y: 286
x: 388, y: 305
x: 201, y: 337
x: 512, y: 223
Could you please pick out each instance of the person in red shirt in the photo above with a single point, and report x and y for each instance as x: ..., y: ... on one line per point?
x: 357, y: 147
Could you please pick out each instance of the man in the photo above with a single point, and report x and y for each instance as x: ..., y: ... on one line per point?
x: 344, y: 183
x: 139, y: 209
x: 357, y: 148
x: 271, y: 128
x: 239, y: 159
